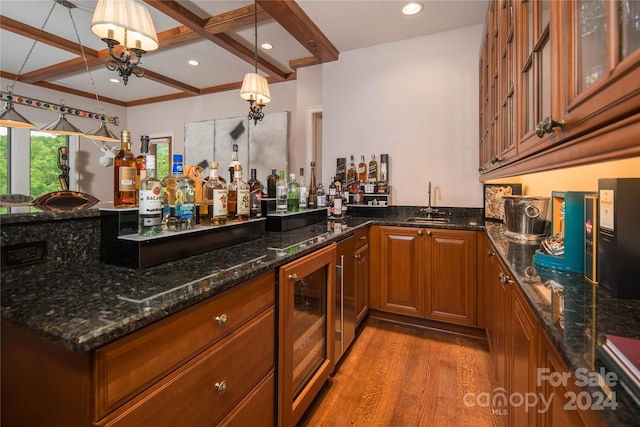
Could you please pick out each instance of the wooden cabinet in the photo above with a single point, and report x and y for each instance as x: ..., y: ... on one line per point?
x: 558, y: 85
x: 362, y: 273
x: 427, y: 273
x: 210, y: 363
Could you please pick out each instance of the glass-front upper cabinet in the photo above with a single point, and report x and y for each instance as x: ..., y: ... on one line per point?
x: 600, y: 47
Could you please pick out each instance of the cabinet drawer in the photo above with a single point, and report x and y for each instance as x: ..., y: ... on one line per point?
x: 361, y: 237
x: 128, y: 366
x: 257, y: 409
x: 190, y: 397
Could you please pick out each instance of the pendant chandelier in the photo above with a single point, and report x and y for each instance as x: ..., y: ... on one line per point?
x: 255, y: 88
x: 9, y: 117
x: 126, y: 23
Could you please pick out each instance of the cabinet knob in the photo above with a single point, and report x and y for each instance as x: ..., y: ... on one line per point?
x: 222, y: 319
x: 495, y: 159
x: 358, y: 256
x: 363, y: 237
x: 547, y: 126
x: 293, y: 276
x: 419, y: 232
x: 221, y: 386
x: 504, y: 279
x: 489, y: 253
x: 428, y: 232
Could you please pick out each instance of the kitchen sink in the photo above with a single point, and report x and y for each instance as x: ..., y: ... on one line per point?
x: 426, y: 220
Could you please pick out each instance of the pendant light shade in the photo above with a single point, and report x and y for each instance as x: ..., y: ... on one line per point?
x: 11, y: 118
x: 126, y: 21
x: 62, y: 127
x: 255, y: 88
x: 102, y: 133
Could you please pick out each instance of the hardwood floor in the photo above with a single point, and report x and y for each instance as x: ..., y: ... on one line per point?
x: 400, y: 375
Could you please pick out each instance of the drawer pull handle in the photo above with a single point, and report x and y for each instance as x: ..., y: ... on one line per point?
x: 363, y: 237
x: 221, y: 386
x: 293, y: 276
x: 358, y: 256
x: 222, y: 319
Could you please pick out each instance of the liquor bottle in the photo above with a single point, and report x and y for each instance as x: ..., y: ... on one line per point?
x: 234, y: 162
x: 255, y: 187
x: 150, y: 201
x: 362, y: 170
x: 304, y: 192
x: 312, y: 201
x: 239, y: 195
x: 336, y: 207
x: 372, y: 176
x: 351, y: 174
x: 124, y: 174
x: 321, y: 200
x: 271, y: 184
x: 293, y: 194
x: 179, y: 198
x: 345, y: 201
x: 205, y: 212
x: 141, y: 160
x: 215, y: 190
x: 281, y: 194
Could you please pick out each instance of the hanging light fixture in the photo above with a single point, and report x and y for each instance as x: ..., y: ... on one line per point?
x: 255, y: 88
x: 126, y: 23
x: 9, y: 117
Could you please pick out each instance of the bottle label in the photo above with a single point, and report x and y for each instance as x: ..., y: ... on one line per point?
x: 185, y: 211
x: 243, y: 206
x: 127, y: 178
x: 220, y: 203
x: 151, y: 201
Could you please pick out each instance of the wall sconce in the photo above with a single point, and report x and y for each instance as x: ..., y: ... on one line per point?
x: 126, y: 23
x: 255, y: 88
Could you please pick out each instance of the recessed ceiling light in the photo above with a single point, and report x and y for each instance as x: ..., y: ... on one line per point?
x: 193, y: 62
x: 266, y: 46
x: 412, y: 8
x: 114, y: 80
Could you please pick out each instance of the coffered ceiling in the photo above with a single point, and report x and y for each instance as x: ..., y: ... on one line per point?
x: 217, y: 34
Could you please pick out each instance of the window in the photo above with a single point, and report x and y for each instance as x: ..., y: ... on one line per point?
x: 44, y: 171
x: 4, y: 161
x: 161, y: 148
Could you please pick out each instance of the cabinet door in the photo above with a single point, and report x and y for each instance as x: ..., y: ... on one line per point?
x: 488, y: 273
x: 600, y: 42
x: 362, y: 283
x: 402, y: 267
x: 451, y: 276
x: 523, y: 359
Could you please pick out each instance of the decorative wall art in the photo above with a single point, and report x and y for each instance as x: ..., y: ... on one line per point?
x: 262, y: 146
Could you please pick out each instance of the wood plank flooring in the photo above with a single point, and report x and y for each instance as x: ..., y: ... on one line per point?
x: 401, y: 375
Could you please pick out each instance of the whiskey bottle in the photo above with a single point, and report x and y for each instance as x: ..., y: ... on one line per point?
x: 362, y: 170
x: 150, y: 201
x: 205, y: 212
x: 255, y: 187
x: 239, y: 195
x: 304, y: 191
x: 124, y: 174
x: 234, y: 162
x: 321, y: 200
x: 216, y: 190
x: 271, y: 184
x: 372, y: 176
x: 281, y: 194
x: 293, y: 194
x: 312, y: 201
x: 179, y: 198
x: 141, y: 160
x: 351, y: 174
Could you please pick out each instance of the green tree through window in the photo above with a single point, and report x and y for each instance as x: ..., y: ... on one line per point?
x: 4, y: 161
x: 44, y: 162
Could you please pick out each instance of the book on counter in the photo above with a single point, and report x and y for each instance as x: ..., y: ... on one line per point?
x: 622, y: 356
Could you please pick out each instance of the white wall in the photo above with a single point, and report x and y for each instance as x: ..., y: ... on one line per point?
x: 416, y: 100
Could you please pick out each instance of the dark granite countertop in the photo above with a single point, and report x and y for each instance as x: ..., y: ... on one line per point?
x: 86, y: 307
x: 577, y: 326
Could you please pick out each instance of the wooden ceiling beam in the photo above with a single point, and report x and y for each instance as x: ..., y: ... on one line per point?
x: 189, y: 19
x: 294, y: 20
x: 167, y: 81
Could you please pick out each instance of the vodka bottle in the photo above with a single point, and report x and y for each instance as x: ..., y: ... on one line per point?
x: 239, y: 204
x: 304, y: 192
x: 124, y: 174
x: 293, y: 194
x: 255, y: 187
x: 150, y: 201
x: 271, y: 184
x: 281, y: 194
x: 179, y: 198
x: 312, y: 198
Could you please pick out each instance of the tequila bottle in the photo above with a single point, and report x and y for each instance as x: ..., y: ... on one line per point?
x: 179, y: 198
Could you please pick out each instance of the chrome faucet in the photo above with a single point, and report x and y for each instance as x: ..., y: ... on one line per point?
x: 429, y: 210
